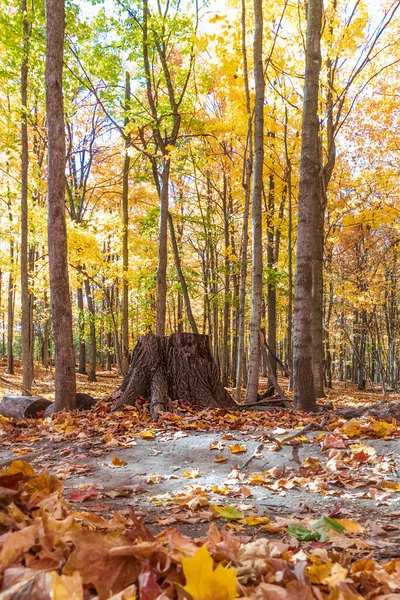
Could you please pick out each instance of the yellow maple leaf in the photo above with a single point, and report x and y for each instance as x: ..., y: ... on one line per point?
x: 118, y: 462
x: 193, y: 474
x: 204, y: 583
x: 147, y: 434
x: 351, y: 428
x: 235, y: 448
x: 350, y: 526
x: 257, y: 521
x: 20, y: 466
x: 329, y: 573
x: 382, y: 428
x: 65, y: 587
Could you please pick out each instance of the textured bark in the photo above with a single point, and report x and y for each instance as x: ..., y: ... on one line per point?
x: 161, y: 308
x: 65, y: 382
x: 23, y: 407
x: 125, y: 227
x: 309, y: 197
x: 81, y: 333
x: 256, y: 296
x: 26, y: 322
x: 177, y: 367
x: 317, y: 309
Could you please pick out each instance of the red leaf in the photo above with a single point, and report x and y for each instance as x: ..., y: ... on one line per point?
x: 148, y: 586
x: 82, y: 495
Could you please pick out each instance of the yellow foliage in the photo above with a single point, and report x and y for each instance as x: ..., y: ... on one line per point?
x: 204, y: 583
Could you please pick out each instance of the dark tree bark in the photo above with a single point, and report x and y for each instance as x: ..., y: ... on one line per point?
x: 309, y: 198
x: 254, y: 359
x: 178, y: 367
x: 26, y: 322
x: 65, y: 380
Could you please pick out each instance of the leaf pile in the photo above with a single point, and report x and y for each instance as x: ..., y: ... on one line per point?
x: 49, y: 551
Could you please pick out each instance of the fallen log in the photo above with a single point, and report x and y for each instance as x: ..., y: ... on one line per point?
x: 14, y: 406
x: 176, y: 367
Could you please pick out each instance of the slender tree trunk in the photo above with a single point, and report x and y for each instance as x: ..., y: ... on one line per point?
x: 181, y: 276
x: 227, y: 302
x: 65, y: 381
x: 317, y: 309
x: 10, y: 315
x: 309, y: 197
x: 109, y: 353
x: 161, y: 307
x: 248, y: 169
x: 271, y: 290
x: 256, y: 295
x: 92, y: 329
x: 46, y: 345
x: 26, y: 325
x: 125, y: 232
x: 81, y: 332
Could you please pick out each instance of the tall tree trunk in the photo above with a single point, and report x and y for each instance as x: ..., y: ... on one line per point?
x: 256, y: 292
x: 92, y: 329
x: 125, y: 231
x: 181, y: 276
x: 309, y: 197
x: 109, y: 353
x: 10, y: 314
x: 161, y: 307
x: 227, y: 301
x: 65, y: 380
x: 46, y: 346
x: 317, y: 307
x: 81, y: 332
x: 248, y: 169
x: 271, y: 290
x: 26, y: 324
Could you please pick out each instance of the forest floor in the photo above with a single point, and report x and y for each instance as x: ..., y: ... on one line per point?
x: 235, y: 469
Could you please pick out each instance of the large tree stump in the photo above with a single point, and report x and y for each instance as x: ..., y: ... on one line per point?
x: 177, y: 367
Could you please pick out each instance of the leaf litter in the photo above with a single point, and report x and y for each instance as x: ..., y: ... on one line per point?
x: 50, y: 539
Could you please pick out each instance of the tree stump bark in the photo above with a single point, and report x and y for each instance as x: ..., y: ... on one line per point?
x: 177, y: 367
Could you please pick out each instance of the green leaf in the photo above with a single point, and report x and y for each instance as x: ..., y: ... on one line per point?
x: 326, y: 523
x: 303, y: 534
x: 317, y: 530
x: 228, y: 512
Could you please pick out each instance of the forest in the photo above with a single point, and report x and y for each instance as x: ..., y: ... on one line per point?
x: 200, y: 242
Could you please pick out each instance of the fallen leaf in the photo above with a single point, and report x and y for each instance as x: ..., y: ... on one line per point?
x: 147, y: 434
x: 118, y: 462
x: 228, y: 512
x: 193, y: 474
x: 257, y: 521
x: 82, y: 495
x: 66, y: 588
x: 237, y: 448
x: 204, y: 583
